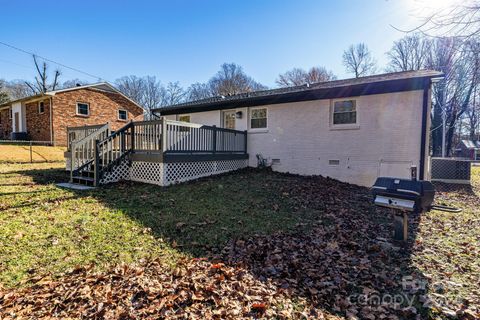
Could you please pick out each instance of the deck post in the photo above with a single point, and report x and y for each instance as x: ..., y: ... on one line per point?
x: 96, y: 164
x: 214, y: 143
x: 245, y: 142
x: 164, y: 134
x: 132, y: 140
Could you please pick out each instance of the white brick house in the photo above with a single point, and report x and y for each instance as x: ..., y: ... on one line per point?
x: 353, y: 130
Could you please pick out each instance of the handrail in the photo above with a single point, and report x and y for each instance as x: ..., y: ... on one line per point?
x: 128, y: 125
x: 112, y: 150
x: 85, y: 148
x: 86, y: 127
x: 87, y: 137
x: 75, y: 134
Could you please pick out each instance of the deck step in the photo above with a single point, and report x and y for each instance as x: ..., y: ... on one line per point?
x: 88, y: 181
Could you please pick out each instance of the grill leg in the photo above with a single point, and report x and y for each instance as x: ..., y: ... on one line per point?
x: 400, y: 226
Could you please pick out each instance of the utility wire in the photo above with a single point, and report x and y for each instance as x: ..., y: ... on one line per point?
x: 49, y: 60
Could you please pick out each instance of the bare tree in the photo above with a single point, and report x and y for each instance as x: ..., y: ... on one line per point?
x: 231, y: 79
x: 473, y: 115
x: 154, y: 93
x: 73, y: 83
x: 17, y: 89
x: 132, y: 86
x: 461, y: 20
x: 4, y: 97
x: 409, y: 53
x: 41, y: 84
x: 294, y: 77
x: 298, y: 76
x: 358, y: 60
x: 198, y: 91
x: 174, y: 93
x: 460, y: 63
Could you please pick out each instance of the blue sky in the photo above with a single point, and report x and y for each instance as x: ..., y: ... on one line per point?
x: 187, y: 41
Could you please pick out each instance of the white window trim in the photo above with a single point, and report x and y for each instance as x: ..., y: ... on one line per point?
x: 184, y: 115
x: 346, y: 126
x: 222, y: 117
x: 80, y: 114
x: 39, y: 103
x: 118, y: 114
x: 258, y: 130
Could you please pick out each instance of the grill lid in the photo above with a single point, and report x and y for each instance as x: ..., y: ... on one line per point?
x: 411, y: 187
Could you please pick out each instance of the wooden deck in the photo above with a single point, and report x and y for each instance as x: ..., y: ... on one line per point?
x: 99, y: 149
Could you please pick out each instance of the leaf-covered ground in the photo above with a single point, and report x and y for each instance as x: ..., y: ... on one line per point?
x: 250, y: 244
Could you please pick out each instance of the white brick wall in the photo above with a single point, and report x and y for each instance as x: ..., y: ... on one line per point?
x: 387, y: 141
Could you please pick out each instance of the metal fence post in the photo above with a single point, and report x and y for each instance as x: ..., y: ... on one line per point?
x: 31, y: 155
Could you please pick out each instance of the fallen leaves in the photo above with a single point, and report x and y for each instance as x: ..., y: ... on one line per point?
x: 148, y: 291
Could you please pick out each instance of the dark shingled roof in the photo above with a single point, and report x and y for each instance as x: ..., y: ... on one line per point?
x: 267, y: 96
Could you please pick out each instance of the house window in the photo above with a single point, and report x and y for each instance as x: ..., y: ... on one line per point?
x: 184, y: 118
x: 83, y: 109
x: 258, y: 118
x: 10, y: 114
x: 344, y: 112
x: 122, y: 115
x: 41, y: 107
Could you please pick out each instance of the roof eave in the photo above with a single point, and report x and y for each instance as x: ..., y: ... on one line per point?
x: 387, y: 86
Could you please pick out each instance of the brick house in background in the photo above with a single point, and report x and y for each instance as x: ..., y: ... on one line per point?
x: 45, y: 117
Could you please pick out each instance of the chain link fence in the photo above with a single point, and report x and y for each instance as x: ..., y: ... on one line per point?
x: 18, y: 151
x: 452, y: 174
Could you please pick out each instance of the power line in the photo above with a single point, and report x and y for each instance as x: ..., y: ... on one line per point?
x: 49, y: 60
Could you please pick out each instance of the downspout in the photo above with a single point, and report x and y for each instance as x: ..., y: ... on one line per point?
x: 423, y: 138
x: 51, y: 121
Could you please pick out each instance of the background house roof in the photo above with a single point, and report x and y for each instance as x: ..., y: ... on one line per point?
x: 470, y: 144
x: 103, y: 86
x: 397, y: 81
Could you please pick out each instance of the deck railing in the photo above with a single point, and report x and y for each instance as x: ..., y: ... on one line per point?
x: 184, y: 137
x: 147, y: 135
x: 78, y: 133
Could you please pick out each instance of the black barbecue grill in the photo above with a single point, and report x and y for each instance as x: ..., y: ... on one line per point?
x: 403, y: 196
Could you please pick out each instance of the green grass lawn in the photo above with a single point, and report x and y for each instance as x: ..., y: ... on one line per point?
x: 44, y: 228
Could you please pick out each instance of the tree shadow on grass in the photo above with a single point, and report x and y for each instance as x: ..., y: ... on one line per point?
x: 314, y: 238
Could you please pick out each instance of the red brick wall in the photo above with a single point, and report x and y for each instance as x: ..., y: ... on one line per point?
x: 5, y: 124
x: 38, y: 124
x: 103, y: 108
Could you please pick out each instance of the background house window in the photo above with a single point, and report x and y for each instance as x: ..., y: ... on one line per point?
x: 258, y: 118
x: 122, y: 115
x: 41, y: 107
x: 345, y: 112
x: 83, y: 109
x: 184, y: 118
x: 10, y: 114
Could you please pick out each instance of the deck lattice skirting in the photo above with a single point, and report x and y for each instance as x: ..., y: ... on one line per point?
x: 165, y: 174
x: 161, y: 152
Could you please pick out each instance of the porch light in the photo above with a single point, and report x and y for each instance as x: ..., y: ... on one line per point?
x: 238, y: 114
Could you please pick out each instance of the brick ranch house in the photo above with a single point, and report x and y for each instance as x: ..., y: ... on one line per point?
x: 45, y: 117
